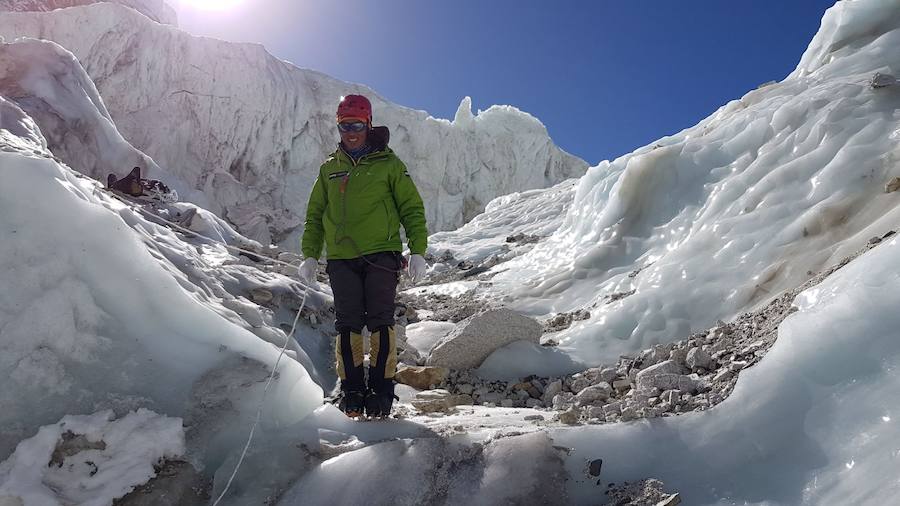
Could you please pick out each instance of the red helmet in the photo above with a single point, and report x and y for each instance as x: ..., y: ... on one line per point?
x: 355, y: 107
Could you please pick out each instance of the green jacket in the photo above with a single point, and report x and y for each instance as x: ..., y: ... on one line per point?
x: 356, y: 208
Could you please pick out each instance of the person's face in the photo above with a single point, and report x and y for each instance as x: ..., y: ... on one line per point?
x: 353, y: 133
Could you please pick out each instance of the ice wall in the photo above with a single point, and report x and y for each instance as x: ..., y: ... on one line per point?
x: 94, y: 318
x: 51, y: 86
x: 250, y: 130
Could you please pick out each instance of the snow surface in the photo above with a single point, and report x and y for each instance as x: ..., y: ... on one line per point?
x: 720, y: 217
x: 250, y: 130
x: 95, y: 317
x: 92, y: 477
x: 535, y: 213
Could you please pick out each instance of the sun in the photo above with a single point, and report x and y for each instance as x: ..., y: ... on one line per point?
x: 211, y: 5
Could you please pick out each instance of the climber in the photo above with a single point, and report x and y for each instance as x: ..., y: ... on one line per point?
x: 362, y: 195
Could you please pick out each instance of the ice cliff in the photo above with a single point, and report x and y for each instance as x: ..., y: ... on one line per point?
x: 250, y: 130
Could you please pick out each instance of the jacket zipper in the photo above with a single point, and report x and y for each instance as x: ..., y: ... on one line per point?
x: 387, y: 212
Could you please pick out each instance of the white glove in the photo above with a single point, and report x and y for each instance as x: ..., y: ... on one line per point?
x: 417, y: 268
x: 307, y: 270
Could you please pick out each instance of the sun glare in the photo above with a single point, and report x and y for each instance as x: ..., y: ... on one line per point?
x: 211, y: 5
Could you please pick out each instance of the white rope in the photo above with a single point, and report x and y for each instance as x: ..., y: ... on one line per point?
x: 136, y: 205
x: 261, y: 401
x: 287, y: 340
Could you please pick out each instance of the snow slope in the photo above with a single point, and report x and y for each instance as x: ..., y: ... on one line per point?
x: 122, y: 455
x: 718, y: 218
x: 815, y: 422
x: 250, y: 131
x: 102, y: 308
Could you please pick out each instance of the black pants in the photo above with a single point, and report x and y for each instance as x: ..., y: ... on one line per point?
x: 364, y: 291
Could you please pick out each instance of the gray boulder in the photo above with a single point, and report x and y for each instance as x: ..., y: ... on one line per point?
x: 434, y: 401
x: 666, y: 375
x: 593, y: 394
x: 476, y: 337
x: 698, y: 358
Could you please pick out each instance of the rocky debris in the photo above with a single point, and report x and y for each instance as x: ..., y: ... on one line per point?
x: 474, y: 339
x: 523, y: 238
x: 689, y: 375
x: 609, y: 299
x: 892, y: 185
x: 880, y: 80
x: 328, y: 449
x: 570, y: 416
x: 552, y: 389
x: 176, y: 483
x: 261, y: 296
x: 409, y: 355
x: 699, y: 359
x: 667, y: 375
x: 445, y: 308
x: 406, y: 354
x: 72, y: 444
x: 693, y: 374
x: 445, y: 268
x: 648, y: 492
x: 877, y: 239
x: 439, y: 401
x: 9, y: 500
x: 593, y: 394
x: 422, y: 378
x: 562, y: 321
x: 595, y: 466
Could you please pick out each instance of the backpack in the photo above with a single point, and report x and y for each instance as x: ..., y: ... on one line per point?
x: 133, y: 185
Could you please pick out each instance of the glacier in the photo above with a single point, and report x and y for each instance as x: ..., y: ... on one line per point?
x: 249, y: 131
x: 717, y: 219
x: 105, y: 308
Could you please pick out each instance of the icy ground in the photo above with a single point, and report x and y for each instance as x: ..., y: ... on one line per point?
x: 113, y: 323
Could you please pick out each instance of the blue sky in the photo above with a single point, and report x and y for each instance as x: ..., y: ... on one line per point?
x: 605, y: 77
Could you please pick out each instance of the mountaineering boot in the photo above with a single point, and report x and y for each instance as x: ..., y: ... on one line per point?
x: 380, y: 395
x: 379, y: 402
x: 352, y: 403
x: 348, y: 353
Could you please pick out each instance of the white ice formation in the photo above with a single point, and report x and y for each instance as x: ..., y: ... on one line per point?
x: 716, y: 219
x: 72, y: 115
x: 250, y: 131
x: 104, y: 308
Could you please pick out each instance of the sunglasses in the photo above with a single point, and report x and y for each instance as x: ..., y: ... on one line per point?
x: 356, y: 126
